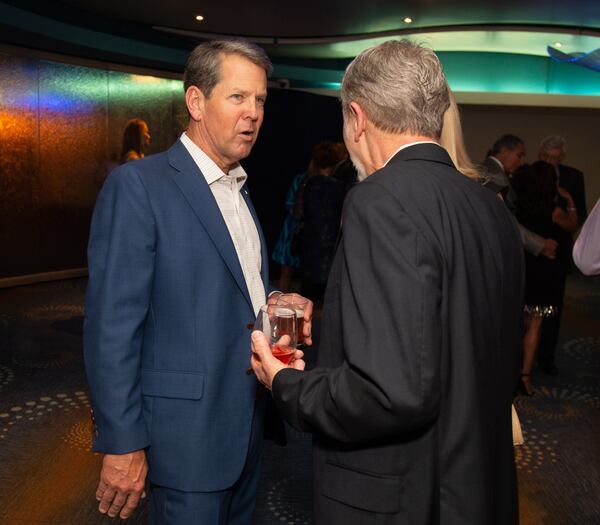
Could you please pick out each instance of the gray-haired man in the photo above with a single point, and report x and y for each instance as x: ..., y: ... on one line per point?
x: 410, y: 403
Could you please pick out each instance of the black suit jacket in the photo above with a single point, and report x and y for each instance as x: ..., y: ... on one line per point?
x: 571, y: 180
x: 410, y: 404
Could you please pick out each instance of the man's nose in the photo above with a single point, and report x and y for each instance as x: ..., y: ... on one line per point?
x: 252, y: 109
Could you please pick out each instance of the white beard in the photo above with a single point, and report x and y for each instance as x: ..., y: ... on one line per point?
x: 360, y: 169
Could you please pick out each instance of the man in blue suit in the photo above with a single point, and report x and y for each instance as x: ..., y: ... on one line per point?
x: 178, y: 269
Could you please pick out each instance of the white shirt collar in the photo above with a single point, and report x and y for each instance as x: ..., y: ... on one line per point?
x: 208, y: 167
x: 407, y: 146
x: 498, y: 162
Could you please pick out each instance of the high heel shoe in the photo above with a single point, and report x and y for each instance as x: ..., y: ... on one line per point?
x: 525, y: 384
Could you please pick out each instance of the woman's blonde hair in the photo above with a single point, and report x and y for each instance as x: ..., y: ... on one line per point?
x: 451, y: 139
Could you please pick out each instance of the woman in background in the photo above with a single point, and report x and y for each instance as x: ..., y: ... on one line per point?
x: 288, y: 247
x: 547, y: 210
x: 451, y: 139
x: 136, y: 137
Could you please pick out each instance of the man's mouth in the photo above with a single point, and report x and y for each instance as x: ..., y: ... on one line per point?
x: 248, y: 134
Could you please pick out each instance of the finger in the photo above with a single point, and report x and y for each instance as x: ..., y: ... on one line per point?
x: 100, y: 490
x: 307, y: 333
x: 133, y: 500
x: 260, y: 345
x: 298, y: 364
x: 106, y: 500
x: 308, y: 310
x: 117, y: 504
x: 284, y: 340
x: 259, y: 371
x: 298, y: 354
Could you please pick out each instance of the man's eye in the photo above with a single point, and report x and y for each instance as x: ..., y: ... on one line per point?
x: 261, y: 101
x: 237, y: 96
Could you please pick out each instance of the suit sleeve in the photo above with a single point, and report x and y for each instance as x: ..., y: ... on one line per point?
x: 121, y: 266
x: 390, y: 300
x: 532, y: 242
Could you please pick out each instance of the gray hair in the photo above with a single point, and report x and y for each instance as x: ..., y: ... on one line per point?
x: 508, y: 141
x: 401, y: 87
x: 553, y: 142
x: 203, y: 67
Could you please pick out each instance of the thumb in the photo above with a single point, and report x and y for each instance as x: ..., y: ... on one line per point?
x: 260, y: 345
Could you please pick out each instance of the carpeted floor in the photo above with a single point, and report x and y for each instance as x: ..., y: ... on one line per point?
x: 48, y: 474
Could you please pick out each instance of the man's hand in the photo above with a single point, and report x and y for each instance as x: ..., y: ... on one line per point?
x: 122, y: 481
x: 549, y: 249
x: 307, y: 331
x: 308, y: 312
x: 265, y: 365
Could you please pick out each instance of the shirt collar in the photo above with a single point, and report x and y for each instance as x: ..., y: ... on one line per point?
x: 498, y: 162
x: 209, y: 169
x: 407, y: 146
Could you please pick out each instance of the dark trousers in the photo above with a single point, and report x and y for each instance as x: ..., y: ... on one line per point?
x: 233, y: 506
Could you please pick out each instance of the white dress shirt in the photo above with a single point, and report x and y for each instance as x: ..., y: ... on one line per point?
x: 238, y: 219
x: 586, y: 251
x: 408, y: 145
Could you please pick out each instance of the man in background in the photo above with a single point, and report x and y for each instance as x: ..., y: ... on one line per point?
x: 506, y: 156
x: 553, y: 150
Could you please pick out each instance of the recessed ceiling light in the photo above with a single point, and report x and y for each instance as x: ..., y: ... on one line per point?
x: 557, y: 44
x: 408, y: 20
x: 199, y: 18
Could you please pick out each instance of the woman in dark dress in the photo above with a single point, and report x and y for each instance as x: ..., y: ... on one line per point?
x: 547, y: 210
x: 323, y: 202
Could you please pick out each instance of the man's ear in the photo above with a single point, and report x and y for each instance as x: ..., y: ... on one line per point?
x: 360, y: 122
x: 194, y: 100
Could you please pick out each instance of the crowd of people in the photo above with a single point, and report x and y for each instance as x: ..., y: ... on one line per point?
x: 423, y: 266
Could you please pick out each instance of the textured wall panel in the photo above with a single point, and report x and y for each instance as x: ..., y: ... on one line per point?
x: 60, y: 135
x: 73, y: 151
x: 145, y: 97
x: 19, y: 213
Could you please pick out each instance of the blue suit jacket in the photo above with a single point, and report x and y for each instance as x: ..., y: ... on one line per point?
x: 166, y: 340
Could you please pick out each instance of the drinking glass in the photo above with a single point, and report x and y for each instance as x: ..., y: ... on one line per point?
x: 278, y: 323
x: 296, y: 303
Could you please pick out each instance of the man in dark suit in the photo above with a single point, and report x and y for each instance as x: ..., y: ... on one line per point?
x: 553, y: 150
x: 177, y: 271
x: 410, y: 403
x: 505, y: 157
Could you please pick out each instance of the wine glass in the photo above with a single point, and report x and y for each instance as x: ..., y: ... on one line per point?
x: 296, y: 303
x: 278, y: 323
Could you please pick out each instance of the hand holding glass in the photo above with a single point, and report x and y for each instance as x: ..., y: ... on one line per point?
x: 278, y: 323
x: 296, y: 303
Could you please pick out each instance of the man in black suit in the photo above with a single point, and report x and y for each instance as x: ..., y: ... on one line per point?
x: 410, y: 403
x: 553, y: 150
x: 505, y: 157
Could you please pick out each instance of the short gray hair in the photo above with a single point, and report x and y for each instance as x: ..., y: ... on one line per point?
x: 203, y: 67
x: 553, y: 142
x: 400, y: 85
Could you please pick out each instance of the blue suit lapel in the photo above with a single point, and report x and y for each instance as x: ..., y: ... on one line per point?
x: 264, y: 267
x: 198, y: 195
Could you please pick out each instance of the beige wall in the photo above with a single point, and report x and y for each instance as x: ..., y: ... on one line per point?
x: 482, y: 125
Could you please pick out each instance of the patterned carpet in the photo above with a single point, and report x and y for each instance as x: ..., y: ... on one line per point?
x: 48, y: 474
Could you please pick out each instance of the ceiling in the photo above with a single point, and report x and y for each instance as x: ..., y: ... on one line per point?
x: 312, y: 41
x: 324, y: 29
x: 334, y: 18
